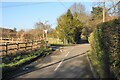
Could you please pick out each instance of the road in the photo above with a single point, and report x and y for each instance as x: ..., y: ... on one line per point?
x: 67, y: 62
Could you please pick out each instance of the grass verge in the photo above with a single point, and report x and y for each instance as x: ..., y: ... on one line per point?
x: 95, y: 64
x: 10, y: 63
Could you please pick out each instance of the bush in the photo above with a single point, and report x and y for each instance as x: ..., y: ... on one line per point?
x: 105, y: 44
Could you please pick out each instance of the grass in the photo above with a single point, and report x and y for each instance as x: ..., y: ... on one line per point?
x: 20, y: 58
x: 96, y: 64
x: 14, y: 61
x: 54, y: 41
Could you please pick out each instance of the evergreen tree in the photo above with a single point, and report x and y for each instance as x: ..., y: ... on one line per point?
x: 69, y: 28
x: 97, y: 12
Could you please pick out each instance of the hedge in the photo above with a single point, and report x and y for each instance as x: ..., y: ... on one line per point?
x: 105, y: 49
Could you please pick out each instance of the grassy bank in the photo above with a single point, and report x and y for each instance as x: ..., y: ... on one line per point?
x: 15, y: 61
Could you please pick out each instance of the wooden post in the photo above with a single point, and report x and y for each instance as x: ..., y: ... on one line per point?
x: 12, y: 39
x: 32, y: 46
x: 37, y: 44
x: 43, y: 34
x: 25, y: 45
x: 1, y: 38
x: 6, y: 48
x: 17, y: 46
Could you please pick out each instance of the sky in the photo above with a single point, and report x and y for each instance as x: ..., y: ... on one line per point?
x: 24, y: 15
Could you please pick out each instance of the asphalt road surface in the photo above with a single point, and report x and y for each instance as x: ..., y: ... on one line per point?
x: 66, y: 62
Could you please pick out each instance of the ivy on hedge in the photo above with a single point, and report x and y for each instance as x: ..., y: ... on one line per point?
x: 105, y: 45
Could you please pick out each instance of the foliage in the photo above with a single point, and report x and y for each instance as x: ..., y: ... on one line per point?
x: 85, y: 33
x: 34, y: 34
x: 96, y: 54
x: 69, y: 28
x: 96, y: 12
x: 77, y: 8
x: 20, y: 32
x: 110, y: 43
x: 15, y: 60
x: 39, y: 29
x: 79, y: 13
x: 105, y: 43
x: 28, y: 37
x: 53, y: 33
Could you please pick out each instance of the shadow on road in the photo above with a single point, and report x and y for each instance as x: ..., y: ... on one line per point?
x: 74, y: 68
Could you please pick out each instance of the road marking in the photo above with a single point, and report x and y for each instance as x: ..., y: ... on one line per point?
x: 58, y: 66
x: 62, y: 59
x: 60, y: 50
x: 67, y: 54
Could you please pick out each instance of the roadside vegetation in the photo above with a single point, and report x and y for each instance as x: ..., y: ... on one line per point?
x: 75, y: 26
x: 105, y: 49
x: 15, y: 61
x: 70, y: 26
x: 20, y: 58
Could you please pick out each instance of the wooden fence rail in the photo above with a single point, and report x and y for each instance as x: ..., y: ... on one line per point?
x: 9, y: 48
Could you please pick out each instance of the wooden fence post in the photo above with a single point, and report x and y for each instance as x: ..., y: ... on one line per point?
x: 6, y: 48
x: 37, y: 44
x: 25, y: 45
x: 17, y: 46
x: 32, y: 46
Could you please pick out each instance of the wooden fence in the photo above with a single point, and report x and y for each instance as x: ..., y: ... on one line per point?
x: 9, y: 48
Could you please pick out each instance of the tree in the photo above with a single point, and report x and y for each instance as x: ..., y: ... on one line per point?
x: 77, y: 8
x: 78, y: 26
x: 42, y: 26
x: 15, y: 29
x: 53, y: 33
x: 28, y: 37
x: 64, y: 26
x: 39, y: 28
x: 69, y: 28
x: 97, y: 12
x: 20, y: 35
x: 79, y: 13
x: 112, y: 9
x: 86, y: 32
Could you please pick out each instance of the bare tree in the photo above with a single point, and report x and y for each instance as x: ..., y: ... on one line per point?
x: 39, y: 29
x: 20, y: 35
x: 77, y: 8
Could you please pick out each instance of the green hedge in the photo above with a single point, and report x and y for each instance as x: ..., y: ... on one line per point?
x: 105, y: 45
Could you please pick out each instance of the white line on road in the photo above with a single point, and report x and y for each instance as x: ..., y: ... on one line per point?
x: 62, y: 60
x: 60, y: 50
x: 58, y: 66
x: 67, y: 54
